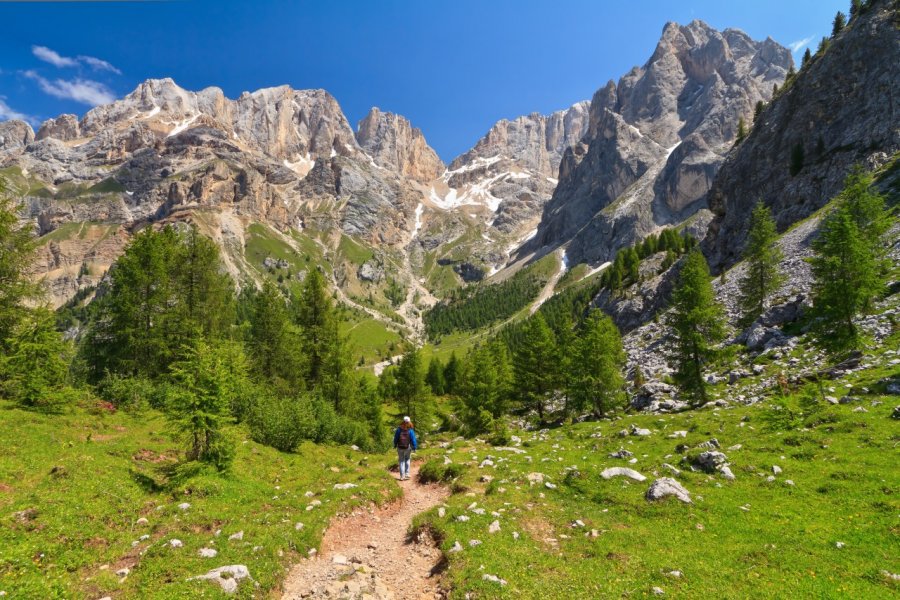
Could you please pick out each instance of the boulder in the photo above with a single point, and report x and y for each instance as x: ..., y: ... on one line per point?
x: 666, y: 486
x: 228, y: 578
x: 622, y: 472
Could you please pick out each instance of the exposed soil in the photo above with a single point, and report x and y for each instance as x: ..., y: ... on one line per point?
x: 371, y: 554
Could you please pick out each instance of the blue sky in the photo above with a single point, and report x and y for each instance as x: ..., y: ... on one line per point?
x: 452, y: 68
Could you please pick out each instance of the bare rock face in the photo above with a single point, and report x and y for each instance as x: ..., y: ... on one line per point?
x: 656, y: 139
x: 14, y: 136
x: 393, y: 143
x: 510, y: 174
x: 284, y: 157
x: 535, y: 142
x: 63, y: 127
x: 841, y: 109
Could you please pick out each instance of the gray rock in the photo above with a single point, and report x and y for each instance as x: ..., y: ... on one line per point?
x: 666, y: 486
x: 855, y: 131
x: 208, y: 552
x: 228, y: 578
x: 656, y: 139
x: 711, y: 461
x: 621, y: 472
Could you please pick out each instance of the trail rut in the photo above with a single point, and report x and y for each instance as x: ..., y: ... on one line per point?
x: 368, y: 554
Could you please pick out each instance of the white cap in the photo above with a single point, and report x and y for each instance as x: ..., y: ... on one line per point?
x: 406, y: 419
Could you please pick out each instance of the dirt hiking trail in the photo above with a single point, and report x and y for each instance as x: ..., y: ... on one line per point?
x: 368, y: 554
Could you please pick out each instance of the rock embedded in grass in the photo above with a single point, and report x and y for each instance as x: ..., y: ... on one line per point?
x: 666, y: 486
x: 622, y: 472
x: 494, y: 527
x: 237, y: 536
x: 208, y: 553
x: 228, y: 578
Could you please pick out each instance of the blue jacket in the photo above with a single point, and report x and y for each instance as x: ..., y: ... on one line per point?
x: 412, y: 439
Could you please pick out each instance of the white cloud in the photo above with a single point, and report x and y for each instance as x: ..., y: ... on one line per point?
x: 98, y: 64
x: 85, y: 91
x: 53, y: 57
x: 800, y: 44
x: 7, y: 112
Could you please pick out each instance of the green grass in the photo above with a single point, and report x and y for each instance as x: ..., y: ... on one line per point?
x: 369, y: 339
x: 353, y: 251
x: 85, y: 515
x: 843, y: 465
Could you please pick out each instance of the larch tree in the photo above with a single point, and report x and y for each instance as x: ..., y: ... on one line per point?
x: 697, y: 321
x: 762, y: 257
x: 597, y: 364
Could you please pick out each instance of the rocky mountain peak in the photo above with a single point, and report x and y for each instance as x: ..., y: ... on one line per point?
x: 628, y: 177
x: 393, y: 143
x: 839, y: 110
x: 534, y: 141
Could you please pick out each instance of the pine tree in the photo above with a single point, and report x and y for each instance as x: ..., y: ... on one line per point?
x: 741, y: 131
x: 17, y: 245
x: 566, y: 342
x: 757, y: 111
x: 435, y: 376
x: 698, y: 325
x: 453, y: 375
x: 274, y: 343
x: 840, y: 20
x: 762, y: 257
x: 411, y: 391
x: 848, y: 265
x: 855, y: 9
x: 138, y: 331
x: 314, y: 314
x: 205, y: 294
x: 807, y: 56
x: 597, y: 366
x: 205, y: 386
x: 534, y: 363
x: 35, y: 368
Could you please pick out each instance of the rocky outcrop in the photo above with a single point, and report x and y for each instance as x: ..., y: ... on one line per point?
x: 63, y: 127
x: 14, y: 135
x: 393, y: 143
x: 656, y: 138
x: 535, y: 142
x: 841, y: 109
x: 284, y: 157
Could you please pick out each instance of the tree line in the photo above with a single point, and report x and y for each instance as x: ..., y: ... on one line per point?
x: 168, y: 329
x: 578, y: 364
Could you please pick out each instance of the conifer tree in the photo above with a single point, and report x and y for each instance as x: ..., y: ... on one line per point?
x: 855, y: 8
x: 840, y: 20
x: 757, y: 111
x: 741, y: 131
x: 807, y: 56
x: 453, y: 375
x: 849, y: 266
x: 597, y: 366
x: 411, y: 391
x: 35, y: 367
x: 762, y: 257
x: 534, y: 364
x: 314, y: 314
x: 138, y: 332
x: 274, y: 342
x: 698, y: 325
x: 435, y: 376
x: 17, y: 245
x: 205, y: 294
x: 205, y: 385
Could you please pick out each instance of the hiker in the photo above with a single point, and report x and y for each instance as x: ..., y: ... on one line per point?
x: 405, y: 443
